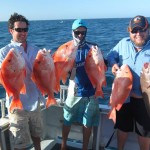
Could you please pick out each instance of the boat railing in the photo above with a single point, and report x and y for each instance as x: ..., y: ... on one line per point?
x: 63, y: 94
x: 2, y: 104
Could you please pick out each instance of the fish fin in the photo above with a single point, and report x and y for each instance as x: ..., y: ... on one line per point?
x: 57, y: 87
x: 0, y: 76
x: 105, y: 68
x: 15, y: 103
x: 33, y: 77
x: 56, y: 91
x: 99, y: 93
x: 23, y: 89
x: 4, y: 85
x: 64, y: 78
x: 118, y: 107
x: 25, y: 72
x: 104, y: 83
x: 50, y: 101
x: 112, y: 115
x: 57, y: 83
x: 92, y: 80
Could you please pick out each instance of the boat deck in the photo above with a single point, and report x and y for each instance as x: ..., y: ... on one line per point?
x: 52, y: 134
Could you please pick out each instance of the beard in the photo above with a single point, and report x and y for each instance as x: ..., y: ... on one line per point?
x: 77, y: 41
x: 139, y: 43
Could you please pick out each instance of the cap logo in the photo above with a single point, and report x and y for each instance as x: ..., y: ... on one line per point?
x: 137, y: 20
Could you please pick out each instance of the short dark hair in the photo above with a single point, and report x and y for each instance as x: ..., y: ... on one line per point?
x: 14, y: 18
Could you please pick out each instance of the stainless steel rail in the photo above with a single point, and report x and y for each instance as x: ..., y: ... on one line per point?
x: 2, y: 103
x: 63, y: 94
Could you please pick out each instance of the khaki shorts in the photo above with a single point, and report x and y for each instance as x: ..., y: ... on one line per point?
x: 23, y: 125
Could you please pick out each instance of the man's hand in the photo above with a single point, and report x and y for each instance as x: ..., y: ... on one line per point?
x: 115, y: 67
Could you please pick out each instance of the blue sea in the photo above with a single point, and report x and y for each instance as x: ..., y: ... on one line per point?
x: 50, y: 34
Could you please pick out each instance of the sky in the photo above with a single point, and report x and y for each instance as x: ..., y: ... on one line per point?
x: 74, y: 9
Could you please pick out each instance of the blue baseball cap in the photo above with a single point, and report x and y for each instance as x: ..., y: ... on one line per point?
x: 78, y: 23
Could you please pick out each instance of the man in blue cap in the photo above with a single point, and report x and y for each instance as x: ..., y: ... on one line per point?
x: 133, y: 51
x: 79, y: 34
x: 80, y: 105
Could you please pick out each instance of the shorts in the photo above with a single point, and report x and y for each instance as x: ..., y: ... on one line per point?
x: 133, y: 117
x: 85, y: 111
x: 23, y: 125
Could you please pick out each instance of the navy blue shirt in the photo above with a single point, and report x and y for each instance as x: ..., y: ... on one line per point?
x: 84, y: 87
x: 81, y: 85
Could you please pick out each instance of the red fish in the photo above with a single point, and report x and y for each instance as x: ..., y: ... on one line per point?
x: 12, y: 77
x: 145, y: 85
x: 95, y: 68
x: 64, y: 59
x: 120, y: 90
x: 43, y: 75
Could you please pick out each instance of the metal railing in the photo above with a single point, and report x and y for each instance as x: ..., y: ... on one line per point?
x: 2, y: 101
x: 63, y: 94
x: 2, y: 104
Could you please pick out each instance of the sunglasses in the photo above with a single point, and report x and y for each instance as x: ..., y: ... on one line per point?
x: 21, y: 29
x: 136, y: 30
x: 80, y: 32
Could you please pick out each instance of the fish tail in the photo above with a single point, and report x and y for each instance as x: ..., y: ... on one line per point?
x: 50, y: 101
x: 16, y: 103
x: 112, y: 115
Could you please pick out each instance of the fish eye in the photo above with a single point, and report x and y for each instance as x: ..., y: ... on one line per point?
x: 9, y: 60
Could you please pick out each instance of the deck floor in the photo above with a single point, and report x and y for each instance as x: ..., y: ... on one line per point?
x: 57, y: 147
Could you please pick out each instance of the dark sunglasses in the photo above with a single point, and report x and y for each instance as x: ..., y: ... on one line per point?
x: 21, y: 29
x: 138, y: 30
x: 80, y: 32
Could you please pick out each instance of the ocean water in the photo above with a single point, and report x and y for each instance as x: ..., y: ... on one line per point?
x: 50, y: 34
